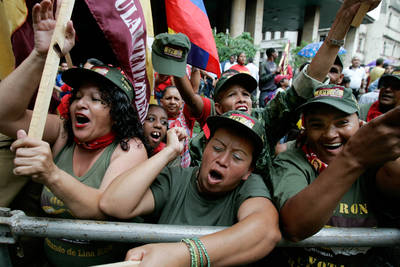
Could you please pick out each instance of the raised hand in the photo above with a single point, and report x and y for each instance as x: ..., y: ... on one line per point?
x: 377, y: 141
x: 43, y: 26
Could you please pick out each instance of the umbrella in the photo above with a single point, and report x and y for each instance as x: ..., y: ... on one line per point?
x: 311, y: 49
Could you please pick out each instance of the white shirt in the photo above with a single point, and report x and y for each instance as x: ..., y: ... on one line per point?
x: 253, y: 70
x: 356, y: 75
x: 370, y: 97
x: 228, y: 65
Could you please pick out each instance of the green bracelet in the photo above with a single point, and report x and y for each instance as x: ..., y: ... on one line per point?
x: 193, y: 245
x: 198, y: 241
x: 193, y: 261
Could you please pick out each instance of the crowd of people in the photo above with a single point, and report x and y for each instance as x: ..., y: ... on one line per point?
x: 340, y: 167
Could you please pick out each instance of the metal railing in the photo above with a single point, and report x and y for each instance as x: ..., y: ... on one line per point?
x: 16, y: 223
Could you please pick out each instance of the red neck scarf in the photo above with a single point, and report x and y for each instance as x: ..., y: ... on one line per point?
x: 374, y: 111
x: 97, y: 143
x: 313, y: 159
x: 160, y: 147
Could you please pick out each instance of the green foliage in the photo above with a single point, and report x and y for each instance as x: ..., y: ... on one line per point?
x: 297, y: 60
x: 227, y: 46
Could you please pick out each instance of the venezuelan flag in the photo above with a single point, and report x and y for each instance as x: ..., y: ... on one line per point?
x: 190, y: 17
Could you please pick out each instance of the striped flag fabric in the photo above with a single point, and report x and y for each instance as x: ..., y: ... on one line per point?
x: 190, y: 17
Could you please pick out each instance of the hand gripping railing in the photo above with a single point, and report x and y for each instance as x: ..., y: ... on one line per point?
x: 16, y: 223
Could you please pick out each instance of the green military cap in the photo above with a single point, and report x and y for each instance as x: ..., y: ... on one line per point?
x: 247, y: 125
x: 245, y: 80
x: 169, y: 53
x: 336, y: 96
x: 101, y: 73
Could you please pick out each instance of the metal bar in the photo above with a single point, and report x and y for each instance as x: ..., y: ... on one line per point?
x: 22, y: 225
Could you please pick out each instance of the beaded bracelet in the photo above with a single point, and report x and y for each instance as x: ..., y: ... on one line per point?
x: 193, y: 260
x: 199, y: 243
x: 193, y: 245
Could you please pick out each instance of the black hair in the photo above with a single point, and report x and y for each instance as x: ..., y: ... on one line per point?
x: 379, y: 61
x: 166, y: 89
x: 270, y: 51
x: 126, y: 123
x: 346, y: 79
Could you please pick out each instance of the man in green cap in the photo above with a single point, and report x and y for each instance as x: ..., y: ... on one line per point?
x: 221, y: 192
x: 330, y: 179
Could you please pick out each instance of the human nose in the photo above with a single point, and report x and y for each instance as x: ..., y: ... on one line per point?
x: 223, y: 159
x: 330, y: 132
x: 81, y: 102
x: 242, y: 98
x: 157, y: 124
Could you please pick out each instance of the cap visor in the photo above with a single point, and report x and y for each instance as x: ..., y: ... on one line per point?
x: 216, y: 122
x: 244, y: 79
x: 335, y: 103
x: 168, y: 66
x: 75, y: 76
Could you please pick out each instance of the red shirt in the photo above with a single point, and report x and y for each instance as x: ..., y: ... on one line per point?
x: 240, y: 68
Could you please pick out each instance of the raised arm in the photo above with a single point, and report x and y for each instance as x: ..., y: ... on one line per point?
x: 323, y: 60
x: 374, y: 144
x: 191, y: 99
x: 129, y: 195
x: 17, y: 89
x: 252, y: 238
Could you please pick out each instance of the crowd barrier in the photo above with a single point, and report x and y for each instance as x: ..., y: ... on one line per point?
x: 14, y: 223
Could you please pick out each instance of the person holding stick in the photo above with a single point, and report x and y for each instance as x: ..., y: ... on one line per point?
x: 81, y: 155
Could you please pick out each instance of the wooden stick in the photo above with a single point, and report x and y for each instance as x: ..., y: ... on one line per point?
x: 120, y: 264
x: 358, y: 18
x: 43, y: 98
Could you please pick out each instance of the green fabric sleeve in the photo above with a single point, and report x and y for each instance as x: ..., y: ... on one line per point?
x: 291, y: 174
x: 161, y: 188
x: 254, y: 186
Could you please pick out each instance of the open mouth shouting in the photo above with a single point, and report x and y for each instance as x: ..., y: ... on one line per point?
x: 155, y: 136
x: 81, y: 120
x: 214, y: 177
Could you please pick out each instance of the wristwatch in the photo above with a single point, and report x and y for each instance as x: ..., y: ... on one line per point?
x: 336, y: 42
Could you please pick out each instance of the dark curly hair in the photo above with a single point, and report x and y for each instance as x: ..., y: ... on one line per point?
x: 126, y: 121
